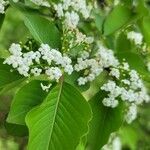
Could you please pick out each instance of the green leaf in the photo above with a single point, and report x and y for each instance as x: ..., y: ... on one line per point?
x: 16, y: 130
x: 61, y: 120
x: 2, y: 16
x: 99, y: 20
x: 122, y: 43
x: 43, y: 30
x: 117, y: 18
x: 144, y: 26
x: 25, y: 99
x: 6, y: 76
x: 141, y: 8
x: 105, y: 121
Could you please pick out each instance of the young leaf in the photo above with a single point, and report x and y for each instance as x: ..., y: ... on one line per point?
x: 117, y: 18
x: 105, y: 121
x: 43, y: 30
x: 61, y: 120
x: 6, y: 76
x: 25, y: 99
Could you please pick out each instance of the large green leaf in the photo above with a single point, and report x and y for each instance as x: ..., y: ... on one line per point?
x: 25, y: 99
x: 105, y: 121
x: 43, y: 30
x: 7, y: 76
x: 117, y: 18
x: 61, y: 120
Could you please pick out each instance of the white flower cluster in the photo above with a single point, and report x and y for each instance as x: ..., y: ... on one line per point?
x: 136, y: 37
x: 2, y: 6
x: 130, y: 89
x: 72, y: 16
x: 54, y: 63
x: 104, y: 58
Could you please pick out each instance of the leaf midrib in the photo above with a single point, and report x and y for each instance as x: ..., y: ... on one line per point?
x: 55, y: 112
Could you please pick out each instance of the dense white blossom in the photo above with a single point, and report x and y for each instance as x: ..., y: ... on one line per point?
x: 132, y: 91
x: 77, y: 7
x: 136, y: 37
x: 55, y: 62
x: 104, y: 58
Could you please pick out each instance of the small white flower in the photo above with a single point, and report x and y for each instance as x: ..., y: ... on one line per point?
x: 23, y: 70
x: 115, y: 73
x: 110, y: 102
x: 125, y: 81
x: 54, y: 73
x: 68, y: 69
x: 82, y: 81
x: 59, y: 9
x: 125, y: 66
x: 46, y: 87
x: 36, y: 71
x: 15, y: 49
x: 109, y: 86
